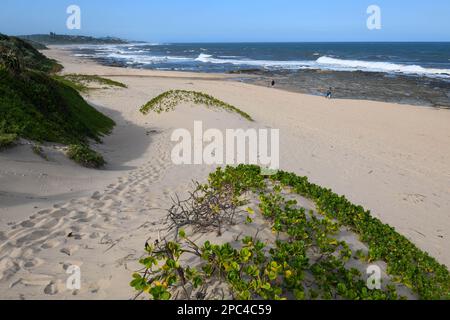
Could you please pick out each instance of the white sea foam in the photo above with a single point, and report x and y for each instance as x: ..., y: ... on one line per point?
x: 135, y: 54
x: 206, y: 58
x: 372, y: 66
x: 146, y: 59
x: 329, y: 63
x: 82, y: 55
x: 228, y: 57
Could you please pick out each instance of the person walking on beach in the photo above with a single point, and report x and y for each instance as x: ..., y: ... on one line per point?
x: 272, y: 83
x: 329, y: 93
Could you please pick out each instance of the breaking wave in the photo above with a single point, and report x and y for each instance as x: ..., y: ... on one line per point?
x: 328, y: 63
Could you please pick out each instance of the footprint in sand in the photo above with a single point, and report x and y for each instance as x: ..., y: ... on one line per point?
x: 51, y: 289
x: 70, y: 250
x: 49, y: 229
x: 8, y: 268
x: 414, y: 198
x: 50, y: 244
x: 59, y: 213
x: 27, y: 224
x: 66, y: 265
x: 33, y: 263
x: 44, y: 212
x: 94, y: 235
x: 50, y: 224
x: 33, y: 280
x: 96, y: 196
x: 31, y: 237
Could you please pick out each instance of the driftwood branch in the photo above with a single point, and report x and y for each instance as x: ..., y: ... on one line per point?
x: 205, y: 209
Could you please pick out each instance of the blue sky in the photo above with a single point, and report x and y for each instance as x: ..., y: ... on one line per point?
x: 233, y: 20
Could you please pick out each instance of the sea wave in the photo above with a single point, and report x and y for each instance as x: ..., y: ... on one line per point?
x: 329, y: 63
x: 206, y: 58
x: 146, y: 59
x: 84, y: 55
x: 372, y: 66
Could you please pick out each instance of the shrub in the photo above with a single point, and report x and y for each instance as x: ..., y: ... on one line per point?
x: 38, y: 150
x: 7, y: 140
x: 83, y: 155
x: 10, y: 61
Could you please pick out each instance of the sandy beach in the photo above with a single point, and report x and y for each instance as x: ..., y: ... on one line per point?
x: 392, y: 159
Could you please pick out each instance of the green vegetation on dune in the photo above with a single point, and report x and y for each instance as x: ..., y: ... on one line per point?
x: 27, y: 54
x: 38, y: 150
x: 36, y: 107
x: 407, y: 263
x: 86, y: 157
x: 7, y: 140
x: 168, y: 100
x: 37, y: 45
x: 78, y: 86
x: 306, y: 261
x: 82, y: 83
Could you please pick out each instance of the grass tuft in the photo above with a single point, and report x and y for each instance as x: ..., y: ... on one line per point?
x: 7, y: 140
x: 82, y: 83
x: 38, y: 150
x: 85, y: 156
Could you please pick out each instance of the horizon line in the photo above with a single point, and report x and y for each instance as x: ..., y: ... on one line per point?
x: 238, y: 42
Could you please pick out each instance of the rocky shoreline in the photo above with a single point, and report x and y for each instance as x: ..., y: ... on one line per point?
x: 413, y: 90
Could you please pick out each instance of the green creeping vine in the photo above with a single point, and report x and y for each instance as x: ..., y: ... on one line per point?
x: 305, y: 262
x: 411, y: 266
x: 168, y: 100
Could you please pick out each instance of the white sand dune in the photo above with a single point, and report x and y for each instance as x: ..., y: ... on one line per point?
x: 393, y: 159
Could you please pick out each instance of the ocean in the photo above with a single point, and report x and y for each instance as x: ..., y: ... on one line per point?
x: 422, y: 59
x: 407, y: 73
